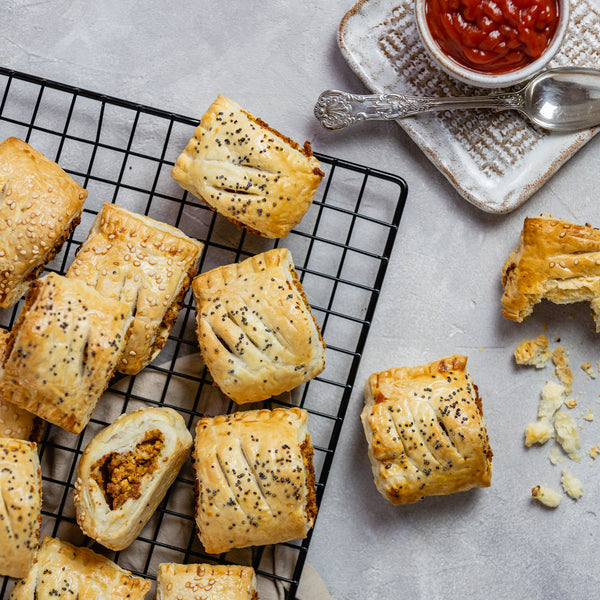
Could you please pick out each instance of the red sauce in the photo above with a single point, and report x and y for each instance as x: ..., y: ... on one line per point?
x: 492, y: 36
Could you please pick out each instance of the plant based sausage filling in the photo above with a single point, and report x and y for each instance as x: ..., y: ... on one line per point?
x: 306, y: 448
x: 120, y: 475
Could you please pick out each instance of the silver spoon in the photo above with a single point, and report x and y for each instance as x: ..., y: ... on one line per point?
x: 562, y: 99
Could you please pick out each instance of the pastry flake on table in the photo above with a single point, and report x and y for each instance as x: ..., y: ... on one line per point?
x: 546, y: 496
x: 20, y: 506
x: 41, y: 205
x: 256, y: 332
x: 533, y: 352
x: 125, y: 472
x: 425, y: 431
x: 66, y: 571
x: 145, y: 263
x: 255, y: 479
x: 63, y: 351
x: 208, y: 582
x: 554, y: 260
x: 248, y: 172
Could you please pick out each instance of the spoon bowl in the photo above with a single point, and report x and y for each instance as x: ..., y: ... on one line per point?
x: 564, y: 99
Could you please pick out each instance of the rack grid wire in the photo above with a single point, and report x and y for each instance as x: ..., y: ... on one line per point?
x: 122, y: 152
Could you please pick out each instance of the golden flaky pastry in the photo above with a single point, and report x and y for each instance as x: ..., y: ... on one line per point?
x: 63, y: 351
x: 65, y: 571
x: 145, y: 263
x: 256, y: 332
x: 254, y: 478
x: 554, y: 260
x: 248, y: 172
x: 39, y: 207
x: 21, y: 505
x: 205, y: 582
x: 16, y: 422
x: 425, y: 431
x: 125, y: 472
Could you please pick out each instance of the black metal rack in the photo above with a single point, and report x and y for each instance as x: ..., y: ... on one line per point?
x: 123, y: 152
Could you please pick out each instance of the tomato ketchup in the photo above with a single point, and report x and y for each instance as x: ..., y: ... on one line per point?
x: 492, y: 36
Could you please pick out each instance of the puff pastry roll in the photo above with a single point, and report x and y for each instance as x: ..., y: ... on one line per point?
x: 255, y: 478
x: 247, y: 171
x: 39, y: 207
x: 145, y: 263
x: 205, y: 582
x: 256, y: 332
x: 16, y: 422
x: 425, y: 431
x: 125, y: 472
x: 20, y: 505
x: 554, y: 260
x: 64, y: 349
x: 65, y: 571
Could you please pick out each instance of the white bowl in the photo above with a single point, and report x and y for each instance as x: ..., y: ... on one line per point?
x: 490, y: 80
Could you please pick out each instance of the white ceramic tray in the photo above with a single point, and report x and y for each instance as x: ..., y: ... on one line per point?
x: 495, y: 160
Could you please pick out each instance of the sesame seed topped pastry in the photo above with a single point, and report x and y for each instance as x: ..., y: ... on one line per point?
x: 63, y: 350
x: 554, y: 260
x: 254, y: 478
x: 256, y: 332
x: 39, y: 207
x: 66, y: 571
x: 145, y: 263
x: 247, y: 171
x: 125, y: 472
x: 425, y: 431
x: 205, y: 582
x: 20, y: 506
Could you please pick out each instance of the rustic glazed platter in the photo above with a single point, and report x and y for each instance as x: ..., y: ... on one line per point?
x: 495, y: 160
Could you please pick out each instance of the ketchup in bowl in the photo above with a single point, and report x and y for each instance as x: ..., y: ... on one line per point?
x: 492, y: 36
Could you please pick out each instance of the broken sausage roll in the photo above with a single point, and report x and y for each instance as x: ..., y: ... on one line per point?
x: 213, y: 582
x: 20, y: 506
x: 63, y: 350
x: 144, y: 263
x: 40, y: 205
x: 256, y: 332
x: 247, y: 171
x: 125, y: 472
x: 255, y: 479
x: 62, y: 570
x: 425, y: 431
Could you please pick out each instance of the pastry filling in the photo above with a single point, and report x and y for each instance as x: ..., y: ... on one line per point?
x: 119, y: 474
x: 306, y: 448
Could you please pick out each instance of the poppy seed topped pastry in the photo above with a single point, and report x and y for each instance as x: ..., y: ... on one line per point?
x: 20, y: 506
x: 256, y: 332
x: 66, y: 571
x: 145, y: 263
x: 125, y: 472
x: 39, y: 207
x: 63, y: 350
x: 254, y: 478
x: 207, y: 582
x: 554, y: 260
x: 425, y: 431
x: 248, y: 172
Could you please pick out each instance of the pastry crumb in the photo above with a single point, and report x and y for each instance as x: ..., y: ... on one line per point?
x: 538, y: 432
x: 552, y: 398
x: 594, y: 451
x: 562, y: 371
x: 572, y: 486
x: 556, y: 456
x: 586, y: 367
x: 589, y: 415
x: 546, y: 496
x: 533, y: 352
x: 572, y: 403
x: 567, y: 435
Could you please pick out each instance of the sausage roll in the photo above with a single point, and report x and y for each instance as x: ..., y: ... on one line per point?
x: 145, y: 263
x: 125, y: 472
x: 554, y: 260
x: 65, y: 571
x: 425, y: 431
x: 63, y: 351
x: 16, y: 422
x: 255, y: 479
x: 256, y: 332
x: 205, y: 582
x: 248, y: 172
x: 20, y: 506
x: 39, y: 207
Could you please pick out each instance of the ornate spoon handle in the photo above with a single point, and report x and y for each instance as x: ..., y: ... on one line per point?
x: 337, y: 110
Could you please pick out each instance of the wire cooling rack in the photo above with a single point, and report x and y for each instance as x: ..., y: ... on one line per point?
x: 123, y: 152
